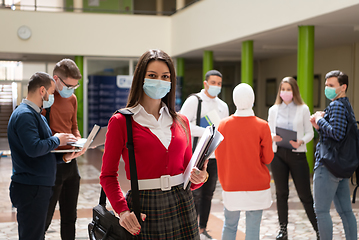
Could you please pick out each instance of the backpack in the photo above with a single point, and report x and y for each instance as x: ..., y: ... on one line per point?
x: 355, y: 177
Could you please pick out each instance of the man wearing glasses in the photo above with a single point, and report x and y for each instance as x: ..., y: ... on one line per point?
x: 62, y: 117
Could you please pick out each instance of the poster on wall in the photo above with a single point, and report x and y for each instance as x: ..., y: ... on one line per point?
x: 106, y: 94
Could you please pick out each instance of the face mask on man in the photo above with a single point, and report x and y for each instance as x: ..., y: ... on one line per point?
x: 156, y: 89
x: 213, y: 90
x: 48, y: 103
x: 330, y: 92
x: 65, y: 92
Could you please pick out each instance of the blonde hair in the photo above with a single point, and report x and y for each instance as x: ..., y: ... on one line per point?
x: 295, y: 89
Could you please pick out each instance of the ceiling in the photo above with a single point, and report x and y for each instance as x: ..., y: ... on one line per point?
x: 333, y: 29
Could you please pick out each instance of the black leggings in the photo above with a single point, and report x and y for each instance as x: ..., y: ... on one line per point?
x: 286, y: 161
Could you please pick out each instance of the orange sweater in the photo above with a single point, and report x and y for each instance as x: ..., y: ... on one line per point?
x: 244, y: 153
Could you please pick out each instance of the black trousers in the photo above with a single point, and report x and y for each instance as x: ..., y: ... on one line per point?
x: 284, y: 162
x: 203, y: 195
x: 66, y: 191
x: 31, y: 202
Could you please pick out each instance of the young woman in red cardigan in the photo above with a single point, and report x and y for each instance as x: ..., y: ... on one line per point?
x: 162, y: 144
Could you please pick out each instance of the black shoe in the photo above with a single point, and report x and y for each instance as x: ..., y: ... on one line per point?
x: 283, y: 234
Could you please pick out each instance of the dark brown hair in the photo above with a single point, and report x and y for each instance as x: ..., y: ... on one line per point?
x: 295, y: 89
x: 136, y: 91
x: 342, y: 77
x: 67, y: 68
x: 38, y: 80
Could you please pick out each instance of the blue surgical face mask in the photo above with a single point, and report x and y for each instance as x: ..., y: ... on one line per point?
x: 330, y: 92
x: 65, y: 92
x: 156, y: 89
x: 213, y: 90
x: 48, y: 103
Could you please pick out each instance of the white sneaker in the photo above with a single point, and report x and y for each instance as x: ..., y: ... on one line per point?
x: 205, y: 236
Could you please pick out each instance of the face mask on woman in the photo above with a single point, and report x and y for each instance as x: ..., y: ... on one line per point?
x: 330, y: 92
x: 156, y: 89
x: 48, y: 103
x: 287, y: 96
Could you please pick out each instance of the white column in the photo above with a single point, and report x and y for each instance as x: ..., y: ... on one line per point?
x: 180, y: 4
x: 78, y: 5
x: 159, y: 7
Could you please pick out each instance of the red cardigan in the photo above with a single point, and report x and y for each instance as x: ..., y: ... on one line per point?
x: 244, y: 153
x: 152, y: 159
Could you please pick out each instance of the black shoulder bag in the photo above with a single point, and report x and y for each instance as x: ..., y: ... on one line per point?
x: 342, y: 158
x: 105, y: 225
x: 198, y: 119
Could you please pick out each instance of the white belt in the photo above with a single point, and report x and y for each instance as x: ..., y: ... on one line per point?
x: 165, y: 182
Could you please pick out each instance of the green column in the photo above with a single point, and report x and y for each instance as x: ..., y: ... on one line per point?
x: 79, y: 92
x: 247, y: 62
x: 305, y: 68
x: 207, y: 62
x: 180, y: 67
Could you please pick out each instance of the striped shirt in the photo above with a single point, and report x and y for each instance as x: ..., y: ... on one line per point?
x: 333, y: 124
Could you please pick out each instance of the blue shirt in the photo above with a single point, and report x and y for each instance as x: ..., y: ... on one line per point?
x: 30, y: 140
x: 286, y: 114
x: 333, y: 124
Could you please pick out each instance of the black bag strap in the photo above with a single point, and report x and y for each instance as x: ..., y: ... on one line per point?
x: 198, y: 119
x: 133, y: 170
x: 47, y: 115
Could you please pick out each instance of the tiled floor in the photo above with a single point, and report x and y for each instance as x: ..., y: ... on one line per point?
x: 89, y: 167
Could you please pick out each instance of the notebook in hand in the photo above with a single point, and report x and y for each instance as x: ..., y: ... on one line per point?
x: 209, y: 141
x: 86, y: 144
x: 286, y: 135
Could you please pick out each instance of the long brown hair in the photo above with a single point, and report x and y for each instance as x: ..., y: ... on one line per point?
x: 136, y: 91
x: 295, y: 89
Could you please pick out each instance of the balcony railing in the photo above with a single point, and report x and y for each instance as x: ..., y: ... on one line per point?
x: 114, y: 7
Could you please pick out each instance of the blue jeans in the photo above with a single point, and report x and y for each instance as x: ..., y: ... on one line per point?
x: 230, y: 226
x: 328, y: 188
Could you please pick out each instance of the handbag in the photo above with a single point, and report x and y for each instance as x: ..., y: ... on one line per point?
x: 105, y: 225
x: 342, y: 158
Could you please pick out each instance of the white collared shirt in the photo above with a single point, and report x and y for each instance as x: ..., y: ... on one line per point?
x: 161, y: 127
x: 286, y: 114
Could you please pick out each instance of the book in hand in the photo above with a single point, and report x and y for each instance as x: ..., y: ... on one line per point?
x: 286, y: 135
x: 209, y: 141
x: 210, y: 118
x: 95, y: 138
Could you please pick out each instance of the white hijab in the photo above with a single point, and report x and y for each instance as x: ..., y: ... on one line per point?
x: 243, y: 98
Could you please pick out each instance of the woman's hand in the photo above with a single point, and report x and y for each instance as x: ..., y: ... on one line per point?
x: 296, y: 144
x: 129, y: 221
x: 199, y: 176
x: 277, y: 138
x: 69, y: 156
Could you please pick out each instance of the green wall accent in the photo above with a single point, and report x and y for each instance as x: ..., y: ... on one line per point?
x: 207, y: 62
x: 305, y: 73
x: 79, y: 92
x: 180, y: 67
x: 247, y: 62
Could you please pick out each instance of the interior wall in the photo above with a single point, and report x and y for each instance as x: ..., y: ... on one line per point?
x: 86, y: 34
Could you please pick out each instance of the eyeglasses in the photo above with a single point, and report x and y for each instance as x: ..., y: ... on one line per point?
x: 68, y: 86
